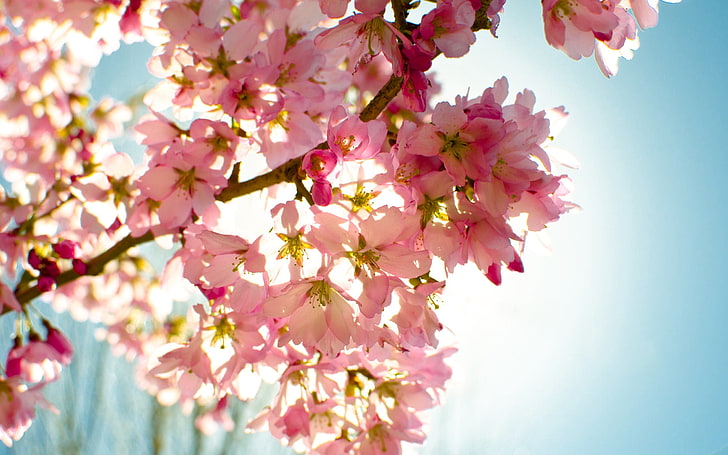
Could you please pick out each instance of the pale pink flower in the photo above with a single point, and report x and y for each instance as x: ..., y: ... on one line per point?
x: 378, y: 244
x: 622, y: 44
x: 251, y: 94
x: 39, y: 361
x: 416, y: 319
x: 646, y: 11
x: 319, y: 317
x: 352, y: 139
x: 17, y: 408
x: 366, y: 35
x: 182, y: 189
x: 572, y: 26
x: 227, y: 261
x: 186, y: 367
x: 448, y: 25
x: 286, y: 254
x: 460, y: 140
x: 215, y: 418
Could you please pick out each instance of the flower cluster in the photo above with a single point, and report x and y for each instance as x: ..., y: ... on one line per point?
x: 602, y: 27
x: 476, y: 168
x: 28, y: 368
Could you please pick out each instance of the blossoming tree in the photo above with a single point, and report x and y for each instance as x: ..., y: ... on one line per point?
x: 306, y: 190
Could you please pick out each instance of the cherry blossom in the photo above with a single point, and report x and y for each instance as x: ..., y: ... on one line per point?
x: 311, y: 198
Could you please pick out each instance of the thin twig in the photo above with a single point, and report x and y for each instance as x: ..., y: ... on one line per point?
x: 382, y: 99
x: 94, y: 266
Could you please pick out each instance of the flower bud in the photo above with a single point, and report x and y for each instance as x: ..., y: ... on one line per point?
x: 50, y: 268
x: 66, y: 249
x: 46, y: 283
x: 79, y: 266
x: 33, y: 259
x: 60, y: 343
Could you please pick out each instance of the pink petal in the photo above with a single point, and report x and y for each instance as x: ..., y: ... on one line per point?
x: 158, y: 182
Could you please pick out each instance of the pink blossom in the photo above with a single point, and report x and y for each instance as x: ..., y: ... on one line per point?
x: 251, y: 94
x: 286, y: 253
x: 352, y: 139
x: 646, y: 11
x: 17, y: 408
x: 580, y: 27
x: 462, y: 143
x: 366, y: 35
x: 319, y: 317
x: 448, y: 25
x: 319, y: 163
x: 416, y: 319
x: 572, y: 26
x: 59, y: 342
x: 377, y: 244
x: 228, y: 257
x: 182, y: 191
x: 186, y: 367
x: 215, y: 418
x: 40, y: 361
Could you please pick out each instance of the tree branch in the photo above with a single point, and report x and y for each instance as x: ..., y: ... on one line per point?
x: 94, y: 267
x: 382, y: 99
x: 287, y: 172
x: 400, y: 13
x: 482, y: 21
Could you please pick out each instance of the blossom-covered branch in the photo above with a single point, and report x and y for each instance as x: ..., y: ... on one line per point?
x: 329, y: 287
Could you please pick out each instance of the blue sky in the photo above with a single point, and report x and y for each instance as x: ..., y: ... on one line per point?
x: 617, y: 342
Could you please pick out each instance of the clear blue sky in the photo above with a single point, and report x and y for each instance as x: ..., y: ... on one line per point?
x: 617, y: 343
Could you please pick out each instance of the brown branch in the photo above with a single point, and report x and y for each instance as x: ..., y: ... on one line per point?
x: 482, y: 21
x: 400, y: 13
x: 289, y: 171
x: 382, y: 99
x: 94, y: 267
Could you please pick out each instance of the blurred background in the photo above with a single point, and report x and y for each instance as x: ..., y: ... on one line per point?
x: 615, y: 343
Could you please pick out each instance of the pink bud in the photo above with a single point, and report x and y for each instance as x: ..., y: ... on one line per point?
x: 66, y: 249
x: 12, y: 364
x: 50, y: 268
x: 319, y: 163
x: 46, y: 283
x: 321, y: 192
x: 79, y: 266
x: 33, y: 259
x: 60, y: 343
x: 114, y: 226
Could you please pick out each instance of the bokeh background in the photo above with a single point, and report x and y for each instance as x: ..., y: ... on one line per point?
x: 614, y: 343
